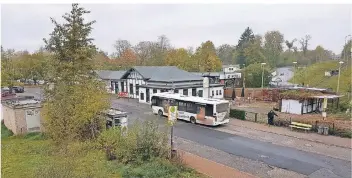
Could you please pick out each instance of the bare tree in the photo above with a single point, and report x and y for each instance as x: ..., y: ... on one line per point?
x: 304, y: 43
x: 143, y: 50
x: 120, y: 46
x: 163, y: 43
x: 290, y: 44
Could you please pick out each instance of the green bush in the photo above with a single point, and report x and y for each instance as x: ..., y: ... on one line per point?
x: 34, y: 136
x: 5, y: 132
x: 344, y: 133
x: 238, y: 114
x: 158, y: 168
x: 142, y: 142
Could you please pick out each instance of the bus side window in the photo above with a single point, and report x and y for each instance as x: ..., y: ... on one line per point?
x: 191, y: 107
x: 209, y: 110
x: 182, y: 106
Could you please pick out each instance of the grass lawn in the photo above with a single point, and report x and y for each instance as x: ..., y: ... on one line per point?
x: 34, y: 156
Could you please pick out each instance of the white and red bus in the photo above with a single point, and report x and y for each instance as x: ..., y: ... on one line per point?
x: 193, y: 109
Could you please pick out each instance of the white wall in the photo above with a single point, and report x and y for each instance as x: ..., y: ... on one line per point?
x: 291, y: 106
x: 218, y: 92
x: 142, y: 90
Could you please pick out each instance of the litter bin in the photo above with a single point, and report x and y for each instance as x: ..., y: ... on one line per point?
x: 320, y: 129
x: 326, y: 130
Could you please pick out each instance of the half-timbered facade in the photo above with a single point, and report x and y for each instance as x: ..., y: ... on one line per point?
x: 141, y: 82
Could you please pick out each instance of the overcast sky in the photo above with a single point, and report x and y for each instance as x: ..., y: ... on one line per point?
x: 24, y: 26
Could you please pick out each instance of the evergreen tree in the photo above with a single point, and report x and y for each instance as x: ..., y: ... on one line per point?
x: 72, y: 107
x: 246, y: 38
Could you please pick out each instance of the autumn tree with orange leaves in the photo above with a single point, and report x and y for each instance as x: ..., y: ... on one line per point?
x: 128, y: 58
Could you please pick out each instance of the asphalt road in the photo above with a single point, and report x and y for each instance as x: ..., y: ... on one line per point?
x: 275, y: 155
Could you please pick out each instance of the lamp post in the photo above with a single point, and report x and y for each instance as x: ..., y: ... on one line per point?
x: 294, y: 71
x: 262, y: 64
x: 338, y: 79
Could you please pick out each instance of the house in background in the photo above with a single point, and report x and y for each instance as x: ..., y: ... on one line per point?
x: 112, y: 79
x: 300, y: 100
x: 230, y: 75
x: 141, y: 82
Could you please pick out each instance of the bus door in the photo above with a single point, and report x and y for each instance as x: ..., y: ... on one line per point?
x: 200, y: 111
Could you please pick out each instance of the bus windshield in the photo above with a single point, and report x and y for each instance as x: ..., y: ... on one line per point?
x: 222, y: 107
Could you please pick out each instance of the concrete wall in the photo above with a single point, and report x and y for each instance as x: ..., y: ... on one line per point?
x: 254, y: 92
x: 291, y: 106
x: 15, y: 119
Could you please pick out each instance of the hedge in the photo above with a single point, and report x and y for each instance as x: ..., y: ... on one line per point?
x: 238, y: 114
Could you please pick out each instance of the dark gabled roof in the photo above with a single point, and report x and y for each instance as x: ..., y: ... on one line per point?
x: 165, y: 74
x: 212, y: 74
x: 110, y: 74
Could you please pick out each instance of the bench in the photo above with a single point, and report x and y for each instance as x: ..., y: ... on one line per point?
x: 302, y: 126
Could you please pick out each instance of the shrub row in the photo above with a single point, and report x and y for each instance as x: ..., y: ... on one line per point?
x: 238, y: 114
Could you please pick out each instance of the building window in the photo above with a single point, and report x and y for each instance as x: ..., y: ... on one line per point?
x: 200, y: 93
x: 220, y: 92
x: 176, y: 91
x: 163, y: 90
x: 212, y: 93
x: 185, y: 92
x: 131, y: 89
x: 155, y: 91
x: 137, y: 89
x: 217, y: 92
x: 122, y: 87
x: 194, y: 92
x: 230, y: 68
x: 142, y: 96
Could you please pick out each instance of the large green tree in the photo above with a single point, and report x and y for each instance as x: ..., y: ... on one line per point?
x: 273, y: 46
x: 72, y: 107
x: 253, y: 74
x: 206, y: 58
x: 254, y: 52
x: 226, y: 53
x: 245, y: 40
x: 346, y: 51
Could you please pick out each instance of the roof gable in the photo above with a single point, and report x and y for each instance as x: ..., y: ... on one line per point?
x: 165, y: 73
x: 110, y: 74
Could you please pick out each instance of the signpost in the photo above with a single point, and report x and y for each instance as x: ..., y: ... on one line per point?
x: 172, y: 117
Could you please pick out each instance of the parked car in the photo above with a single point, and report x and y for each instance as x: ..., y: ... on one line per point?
x: 18, y: 89
x: 6, y: 92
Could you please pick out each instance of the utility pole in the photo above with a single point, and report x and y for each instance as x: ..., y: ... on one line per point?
x: 262, y: 64
x: 338, y: 79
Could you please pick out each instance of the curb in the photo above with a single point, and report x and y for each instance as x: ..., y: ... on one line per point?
x: 317, y: 141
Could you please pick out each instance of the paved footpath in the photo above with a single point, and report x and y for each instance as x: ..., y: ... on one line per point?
x: 211, y: 168
x: 327, y: 140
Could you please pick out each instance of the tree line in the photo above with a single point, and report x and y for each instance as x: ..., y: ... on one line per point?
x: 271, y: 48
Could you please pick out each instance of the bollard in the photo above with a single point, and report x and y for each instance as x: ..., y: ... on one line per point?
x: 320, y: 129
x: 326, y: 130
x: 255, y: 117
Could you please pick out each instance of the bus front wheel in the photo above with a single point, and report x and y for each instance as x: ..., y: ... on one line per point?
x: 193, y: 120
x: 160, y: 113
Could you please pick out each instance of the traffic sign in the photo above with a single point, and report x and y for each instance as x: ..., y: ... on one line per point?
x: 172, y: 114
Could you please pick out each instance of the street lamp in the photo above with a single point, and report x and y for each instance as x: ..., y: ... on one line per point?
x: 344, y: 52
x: 338, y: 79
x: 294, y: 71
x: 262, y: 64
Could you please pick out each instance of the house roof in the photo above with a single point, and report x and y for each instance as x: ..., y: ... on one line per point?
x: 213, y: 74
x: 110, y: 74
x: 165, y: 73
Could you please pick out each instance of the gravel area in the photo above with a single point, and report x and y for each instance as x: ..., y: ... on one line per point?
x: 253, y: 167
